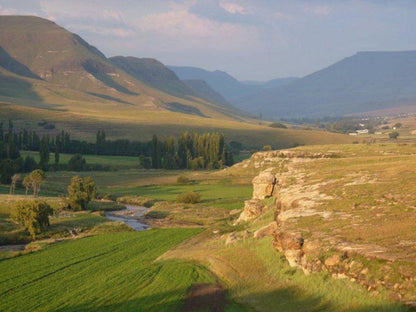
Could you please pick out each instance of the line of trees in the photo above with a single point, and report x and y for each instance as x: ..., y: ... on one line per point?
x: 190, y: 150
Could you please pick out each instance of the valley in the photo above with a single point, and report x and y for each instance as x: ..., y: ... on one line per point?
x: 131, y: 185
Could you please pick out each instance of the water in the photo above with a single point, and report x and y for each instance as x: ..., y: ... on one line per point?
x: 129, y: 216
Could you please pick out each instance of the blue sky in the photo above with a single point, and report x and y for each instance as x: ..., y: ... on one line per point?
x: 250, y: 39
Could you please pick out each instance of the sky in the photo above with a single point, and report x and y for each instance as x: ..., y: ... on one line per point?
x: 249, y: 39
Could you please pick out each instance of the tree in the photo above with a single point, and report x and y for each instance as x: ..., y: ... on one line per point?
x: 393, y: 135
x: 77, y: 163
x: 34, y: 180
x: 80, y: 192
x: 44, y: 153
x: 15, y: 178
x: 33, y: 215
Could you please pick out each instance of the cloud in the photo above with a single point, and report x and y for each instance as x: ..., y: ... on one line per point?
x: 183, y: 24
x: 102, y: 31
x: 234, y: 8
x: 322, y: 10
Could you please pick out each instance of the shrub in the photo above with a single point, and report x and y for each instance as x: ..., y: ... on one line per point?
x: 267, y: 148
x: 183, y: 180
x: 32, y: 215
x: 80, y: 192
x: 277, y: 125
x: 393, y: 135
x: 189, y: 198
x: 77, y: 163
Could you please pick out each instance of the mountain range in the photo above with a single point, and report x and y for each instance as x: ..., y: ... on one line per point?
x: 50, y: 74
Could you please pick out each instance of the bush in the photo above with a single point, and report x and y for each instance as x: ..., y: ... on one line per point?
x: 184, y: 180
x: 77, y: 163
x: 32, y: 215
x: 80, y: 192
x: 277, y: 125
x: 136, y: 201
x: 393, y: 135
x: 189, y: 198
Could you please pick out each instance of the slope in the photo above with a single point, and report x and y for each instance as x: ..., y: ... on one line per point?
x: 81, y: 91
x: 364, y: 82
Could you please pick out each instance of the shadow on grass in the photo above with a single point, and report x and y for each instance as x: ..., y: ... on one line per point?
x: 286, y: 300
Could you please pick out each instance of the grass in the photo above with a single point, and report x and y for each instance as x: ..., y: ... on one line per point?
x: 102, y: 273
x: 114, y: 162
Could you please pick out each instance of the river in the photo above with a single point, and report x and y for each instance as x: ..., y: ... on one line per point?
x: 130, y: 216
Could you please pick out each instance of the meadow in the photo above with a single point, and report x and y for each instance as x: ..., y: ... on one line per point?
x: 103, y: 273
x: 154, y: 270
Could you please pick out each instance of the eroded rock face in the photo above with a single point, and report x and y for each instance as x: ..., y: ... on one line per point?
x: 264, y: 185
x: 267, y: 230
x: 252, y: 209
x: 290, y: 244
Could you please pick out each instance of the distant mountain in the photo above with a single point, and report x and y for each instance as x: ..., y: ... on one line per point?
x: 229, y: 87
x: 278, y: 82
x: 364, y: 82
x: 226, y: 85
x: 204, y: 91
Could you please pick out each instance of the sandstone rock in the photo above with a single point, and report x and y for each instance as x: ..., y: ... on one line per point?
x: 311, y: 247
x: 263, y: 185
x: 266, y: 230
x: 333, y: 260
x: 252, y: 209
x: 288, y: 241
x: 294, y: 257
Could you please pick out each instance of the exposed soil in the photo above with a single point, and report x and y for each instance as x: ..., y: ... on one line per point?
x: 206, y: 297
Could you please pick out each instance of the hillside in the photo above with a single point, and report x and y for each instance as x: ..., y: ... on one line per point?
x: 204, y: 91
x: 48, y: 73
x: 364, y: 82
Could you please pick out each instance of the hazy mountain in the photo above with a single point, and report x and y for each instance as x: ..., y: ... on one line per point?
x: 226, y: 85
x: 364, y: 82
x: 278, y: 82
x: 204, y: 91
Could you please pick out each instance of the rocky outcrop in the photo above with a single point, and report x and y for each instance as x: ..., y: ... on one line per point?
x: 252, y: 209
x: 267, y: 230
x: 264, y: 185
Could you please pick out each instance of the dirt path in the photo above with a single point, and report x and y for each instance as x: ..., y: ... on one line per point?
x: 206, y: 297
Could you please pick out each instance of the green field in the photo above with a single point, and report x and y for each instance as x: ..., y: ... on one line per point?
x: 114, y: 162
x: 102, y: 273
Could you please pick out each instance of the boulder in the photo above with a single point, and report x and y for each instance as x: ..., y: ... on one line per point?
x: 252, y: 209
x: 263, y: 185
x: 267, y: 230
x: 333, y: 260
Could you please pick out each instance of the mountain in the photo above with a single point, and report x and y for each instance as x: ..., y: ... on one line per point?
x: 57, y: 66
x: 204, y: 91
x: 50, y: 74
x: 278, y: 82
x: 229, y: 87
x: 364, y: 82
x: 153, y: 73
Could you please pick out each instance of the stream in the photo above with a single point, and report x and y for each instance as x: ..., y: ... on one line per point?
x: 129, y: 216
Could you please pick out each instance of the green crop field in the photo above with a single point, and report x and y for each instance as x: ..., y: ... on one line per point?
x: 102, y: 273
x: 114, y: 162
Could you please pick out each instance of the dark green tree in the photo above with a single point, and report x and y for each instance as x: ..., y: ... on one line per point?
x: 80, y: 192
x: 32, y: 215
x: 44, y: 153
x: 77, y: 163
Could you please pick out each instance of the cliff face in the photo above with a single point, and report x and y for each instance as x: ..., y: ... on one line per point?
x: 308, y: 231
